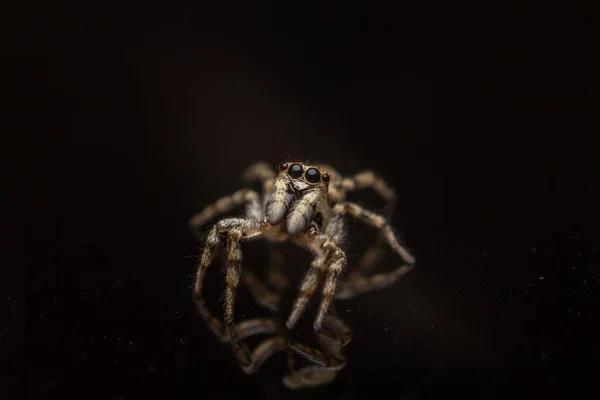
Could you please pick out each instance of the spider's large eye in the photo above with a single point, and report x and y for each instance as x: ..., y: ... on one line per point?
x: 296, y: 171
x: 325, y: 177
x: 312, y: 175
x: 283, y: 166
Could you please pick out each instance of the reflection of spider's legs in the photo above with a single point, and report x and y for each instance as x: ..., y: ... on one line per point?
x: 327, y: 362
x: 266, y: 348
x: 357, y: 284
x: 261, y: 294
x: 275, y: 275
x: 236, y: 229
x: 221, y: 206
x: 371, y: 257
x: 334, y: 332
x: 309, y: 376
x: 263, y: 351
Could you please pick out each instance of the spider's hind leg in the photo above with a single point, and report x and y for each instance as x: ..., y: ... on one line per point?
x: 259, y: 171
x: 367, y: 179
x: 357, y: 283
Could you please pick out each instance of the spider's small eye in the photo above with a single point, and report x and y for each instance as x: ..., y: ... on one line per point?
x: 325, y: 177
x: 283, y: 166
x: 312, y: 175
x: 296, y: 171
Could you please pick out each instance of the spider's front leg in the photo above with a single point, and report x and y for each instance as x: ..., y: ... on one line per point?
x: 327, y: 361
x: 236, y: 230
x: 329, y: 257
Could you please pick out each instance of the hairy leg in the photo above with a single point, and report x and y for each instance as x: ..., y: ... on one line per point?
x: 236, y: 229
x: 365, y: 180
x: 259, y: 171
x: 328, y: 257
x: 224, y: 204
x: 310, y: 282
x: 358, y: 284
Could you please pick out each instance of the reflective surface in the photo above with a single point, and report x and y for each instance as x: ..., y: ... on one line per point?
x: 468, y: 116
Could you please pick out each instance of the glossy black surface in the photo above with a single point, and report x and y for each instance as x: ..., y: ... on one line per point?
x: 476, y: 115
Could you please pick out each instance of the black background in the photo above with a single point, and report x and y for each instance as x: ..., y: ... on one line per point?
x: 476, y: 115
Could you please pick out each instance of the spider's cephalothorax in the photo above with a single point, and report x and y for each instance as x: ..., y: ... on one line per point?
x: 298, y: 194
x: 305, y: 205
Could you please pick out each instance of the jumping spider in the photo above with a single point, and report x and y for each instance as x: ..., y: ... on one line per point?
x: 305, y: 205
x: 324, y: 362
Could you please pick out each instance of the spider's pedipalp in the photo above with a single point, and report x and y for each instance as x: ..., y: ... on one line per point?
x: 279, y: 200
x: 302, y: 212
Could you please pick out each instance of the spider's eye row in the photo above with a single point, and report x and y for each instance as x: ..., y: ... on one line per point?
x: 283, y: 166
x: 325, y: 177
x: 296, y: 171
x: 312, y: 175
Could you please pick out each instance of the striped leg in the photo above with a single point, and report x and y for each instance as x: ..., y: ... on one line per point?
x: 365, y: 180
x: 236, y: 229
x: 368, y: 179
x: 330, y: 258
x: 356, y: 283
x: 259, y: 171
x: 224, y: 204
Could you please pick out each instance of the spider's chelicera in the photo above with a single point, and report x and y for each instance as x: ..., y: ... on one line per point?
x: 305, y: 205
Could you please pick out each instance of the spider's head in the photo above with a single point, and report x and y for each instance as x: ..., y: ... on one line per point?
x: 302, y: 177
x: 296, y: 194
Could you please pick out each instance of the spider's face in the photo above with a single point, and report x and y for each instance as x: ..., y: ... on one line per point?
x: 296, y: 194
x: 302, y: 177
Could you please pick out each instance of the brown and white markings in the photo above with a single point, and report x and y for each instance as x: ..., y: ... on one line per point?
x: 305, y: 205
